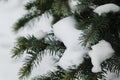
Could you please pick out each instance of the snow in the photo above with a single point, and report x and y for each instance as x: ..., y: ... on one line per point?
x: 106, y: 8
x: 40, y: 34
x: 71, y: 59
x: 73, y: 5
x: 66, y: 32
x: 99, y: 53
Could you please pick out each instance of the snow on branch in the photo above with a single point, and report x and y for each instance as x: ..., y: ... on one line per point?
x: 73, y: 5
x: 106, y: 8
x: 99, y: 53
x: 65, y: 30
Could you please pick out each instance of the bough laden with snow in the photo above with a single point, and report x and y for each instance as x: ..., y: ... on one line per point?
x: 83, y: 34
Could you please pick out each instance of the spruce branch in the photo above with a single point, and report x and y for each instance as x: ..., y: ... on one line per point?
x: 35, y: 49
x: 55, y: 46
x: 39, y: 4
x: 91, y: 33
x: 30, y: 62
x: 61, y: 8
x: 50, y: 76
x: 94, y: 30
x: 27, y: 18
x: 27, y: 43
x: 20, y: 47
x: 34, y: 3
x: 112, y: 64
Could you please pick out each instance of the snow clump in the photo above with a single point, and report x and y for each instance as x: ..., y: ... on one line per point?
x: 99, y: 53
x: 66, y: 32
x: 106, y: 8
x: 74, y: 5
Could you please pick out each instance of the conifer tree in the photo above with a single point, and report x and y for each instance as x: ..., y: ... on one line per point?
x: 95, y: 25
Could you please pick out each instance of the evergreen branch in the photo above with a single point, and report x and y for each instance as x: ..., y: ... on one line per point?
x: 72, y: 74
x: 49, y: 76
x: 84, y: 4
x: 34, y: 49
x: 30, y: 62
x: 20, y: 47
x: 92, y: 34
x: 112, y: 64
x: 84, y: 72
x: 24, y: 44
x: 93, y: 26
x: 26, y: 18
x: 83, y: 24
x: 68, y: 75
x: 39, y: 4
x: 55, y: 46
x: 31, y: 43
x: 61, y: 9
x: 57, y: 75
x: 78, y: 73
x: 39, y: 8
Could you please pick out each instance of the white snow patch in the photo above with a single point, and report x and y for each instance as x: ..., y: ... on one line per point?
x: 106, y: 8
x: 71, y: 59
x: 99, y: 53
x: 40, y: 34
x: 73, y: 5
x: 45, y: 23
x: 66, y: 32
